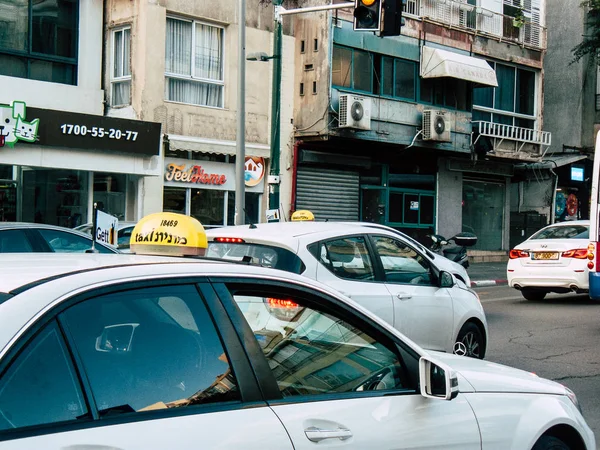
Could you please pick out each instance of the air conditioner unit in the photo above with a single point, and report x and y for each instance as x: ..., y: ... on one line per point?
x: 437, y: 126
x: 354, y: 112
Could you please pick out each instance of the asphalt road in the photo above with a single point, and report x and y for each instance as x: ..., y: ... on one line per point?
x: 558, y: 338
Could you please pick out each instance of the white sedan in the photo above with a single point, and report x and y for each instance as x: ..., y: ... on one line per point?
x: 129, y: 352
x: 376, y: 267
x: 555, y: 259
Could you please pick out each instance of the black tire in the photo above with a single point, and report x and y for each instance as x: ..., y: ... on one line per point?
x: 533, y: 295
x: 550, y: 443
x: 470, y: 342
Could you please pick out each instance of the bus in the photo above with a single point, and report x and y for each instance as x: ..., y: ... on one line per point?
x: 594, y: 245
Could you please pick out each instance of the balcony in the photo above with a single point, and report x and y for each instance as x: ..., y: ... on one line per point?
x: 512, y: 142
x: 479, y: 20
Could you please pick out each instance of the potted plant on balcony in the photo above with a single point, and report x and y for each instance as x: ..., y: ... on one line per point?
x: 518, y: 18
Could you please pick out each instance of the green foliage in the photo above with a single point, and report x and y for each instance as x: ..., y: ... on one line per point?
x: 591, y: 40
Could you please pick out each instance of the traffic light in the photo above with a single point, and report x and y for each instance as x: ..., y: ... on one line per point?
x: 367, y: 15
x: 392, y: 17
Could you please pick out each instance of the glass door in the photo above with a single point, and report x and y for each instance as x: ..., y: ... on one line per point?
x: 483, y: 212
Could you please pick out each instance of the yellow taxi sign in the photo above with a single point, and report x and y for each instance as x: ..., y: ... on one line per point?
x: 168, y: 234
x: 302, y: 215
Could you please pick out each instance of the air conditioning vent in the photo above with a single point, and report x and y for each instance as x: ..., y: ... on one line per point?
x: 354, y: 112
x: 437, y: 126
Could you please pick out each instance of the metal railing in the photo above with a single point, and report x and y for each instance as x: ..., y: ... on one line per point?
x: 463, y: 15
x: 510, y: 132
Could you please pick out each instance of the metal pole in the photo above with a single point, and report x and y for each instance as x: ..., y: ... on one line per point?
x: 240, y: 194
x: 345, y: 5
x: 276, y: 107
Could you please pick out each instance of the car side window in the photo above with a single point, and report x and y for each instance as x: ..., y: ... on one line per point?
x: 41, y: 386
x: 401, y: 263
x: 124, y: 236
x: 347, y: 258
x: 312, y: 352
x: 150, y: 348
x: 14, y: 241
x: 63, y: 242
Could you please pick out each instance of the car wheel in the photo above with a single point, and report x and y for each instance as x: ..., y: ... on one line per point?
x: 550, y: 443
x: 531, y: 294
x: 470, y: 342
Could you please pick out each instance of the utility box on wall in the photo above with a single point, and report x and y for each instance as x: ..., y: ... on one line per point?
x: 524, y: 224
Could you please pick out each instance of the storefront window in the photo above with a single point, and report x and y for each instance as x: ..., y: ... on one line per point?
x: 483, y: 213
x: 207, y: 205
x: 109, y: 193
x: 251, y: 205
x: 174, y: 200
x: 56, y: 197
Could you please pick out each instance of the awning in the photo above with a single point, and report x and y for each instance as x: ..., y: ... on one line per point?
x: 204, y: 145
x: 553, y: 161
x: 436, y: 63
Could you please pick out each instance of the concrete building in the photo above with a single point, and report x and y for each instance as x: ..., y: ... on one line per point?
x: 59, y: 154
x: 452, y: 112
x: 571, y: 110
x: 183, y: 74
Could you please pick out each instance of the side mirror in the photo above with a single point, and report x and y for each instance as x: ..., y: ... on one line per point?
x: 437, y: 380
x: 116, y: 338
x: 446, y: 279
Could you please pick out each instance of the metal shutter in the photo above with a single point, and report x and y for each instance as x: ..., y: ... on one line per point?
x: 329, y: 194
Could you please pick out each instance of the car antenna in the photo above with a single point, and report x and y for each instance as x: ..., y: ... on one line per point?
x: 252, y: 224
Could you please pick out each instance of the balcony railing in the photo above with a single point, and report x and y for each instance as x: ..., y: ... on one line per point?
x: 510, y: 132
x: 481, y: 20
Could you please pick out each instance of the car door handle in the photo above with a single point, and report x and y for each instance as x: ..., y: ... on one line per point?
x: 315, y: 434
x: 403, y: 296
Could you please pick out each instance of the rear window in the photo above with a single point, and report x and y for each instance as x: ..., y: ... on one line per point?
x: 258, y: 254
x: 564, y: 232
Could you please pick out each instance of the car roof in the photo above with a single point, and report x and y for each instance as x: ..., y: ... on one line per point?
x: 75, y: 273
x: 569, y: 222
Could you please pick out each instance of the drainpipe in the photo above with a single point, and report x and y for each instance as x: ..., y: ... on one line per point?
x: 553, y: 205
x: 297, y: 145
x: 103, y: 72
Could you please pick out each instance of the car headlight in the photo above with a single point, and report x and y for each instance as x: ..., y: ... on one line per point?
x: 573, y: 398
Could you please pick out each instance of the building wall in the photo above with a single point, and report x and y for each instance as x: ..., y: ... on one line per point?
x: 87, y: 96
x: 449, y: 200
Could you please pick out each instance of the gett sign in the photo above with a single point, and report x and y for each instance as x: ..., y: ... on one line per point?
x: 106, y: 229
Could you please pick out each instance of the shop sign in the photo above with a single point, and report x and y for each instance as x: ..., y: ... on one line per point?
x: 193, y: 173
x: 106, y: 228
x: 14, y: 127
x: 80, y: 131
x: 254, y: 170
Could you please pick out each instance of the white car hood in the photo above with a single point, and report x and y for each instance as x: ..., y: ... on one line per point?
x: 475, y: 375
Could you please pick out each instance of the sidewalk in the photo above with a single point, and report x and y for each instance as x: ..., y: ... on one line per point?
x: 487, y: 274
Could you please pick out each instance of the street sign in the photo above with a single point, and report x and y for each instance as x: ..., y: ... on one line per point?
x: 106, y: 229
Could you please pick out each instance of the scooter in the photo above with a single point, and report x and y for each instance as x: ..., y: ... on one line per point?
x: 456, y: 253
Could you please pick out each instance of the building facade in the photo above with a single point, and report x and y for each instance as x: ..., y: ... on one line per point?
x: 450, y: 112
x: 59, y: 154
x: 183, y: 74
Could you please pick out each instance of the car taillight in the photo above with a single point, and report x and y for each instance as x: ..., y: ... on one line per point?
x: 283, y: 309
x: 229, y: 240
x: 578, y: 253
x: 514, y: 254
x: 591, y: 255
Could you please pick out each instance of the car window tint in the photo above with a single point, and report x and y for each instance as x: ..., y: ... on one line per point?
x: 64, y: 242
x: 40, y: 386
x: 564, y: 232
x: 312, y: 352
x: 347, y: 258
x: 124, y: 236
x: 14, y: 241
x: 151, y: 348
x: 401, y: 263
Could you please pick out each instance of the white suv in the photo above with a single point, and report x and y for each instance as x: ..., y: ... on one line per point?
x: 378, y: 268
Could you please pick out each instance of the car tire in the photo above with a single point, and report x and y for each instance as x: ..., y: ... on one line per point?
x: 533, y: 295
x: 550, y: 443
x: 470, y: 342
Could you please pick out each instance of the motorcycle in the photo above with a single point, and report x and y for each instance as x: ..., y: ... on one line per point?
x: 457, y: 252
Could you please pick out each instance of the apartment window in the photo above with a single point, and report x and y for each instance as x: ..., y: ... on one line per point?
x: 352, y: 68
x: 194, y: 63
x: 121, y: 71
x: 38, y: 40
x: 512, y: 102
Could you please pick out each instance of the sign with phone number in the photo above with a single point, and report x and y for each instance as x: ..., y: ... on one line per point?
x: 90, y: 132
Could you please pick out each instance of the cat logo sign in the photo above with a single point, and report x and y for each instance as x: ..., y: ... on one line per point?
x: 303, y: 215
x: 168, y: 234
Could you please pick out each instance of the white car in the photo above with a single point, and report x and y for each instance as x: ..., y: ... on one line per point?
x: 131, y: 352
x: 554, y: 259
x: 376, y: 267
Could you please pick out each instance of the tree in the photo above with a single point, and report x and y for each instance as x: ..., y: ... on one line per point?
x: 591, y: 40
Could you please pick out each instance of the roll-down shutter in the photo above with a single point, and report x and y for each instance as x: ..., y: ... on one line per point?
x: 329, y: 194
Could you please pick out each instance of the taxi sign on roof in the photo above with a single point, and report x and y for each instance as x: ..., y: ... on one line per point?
x: 302, y: 215
x: 168, y: 234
